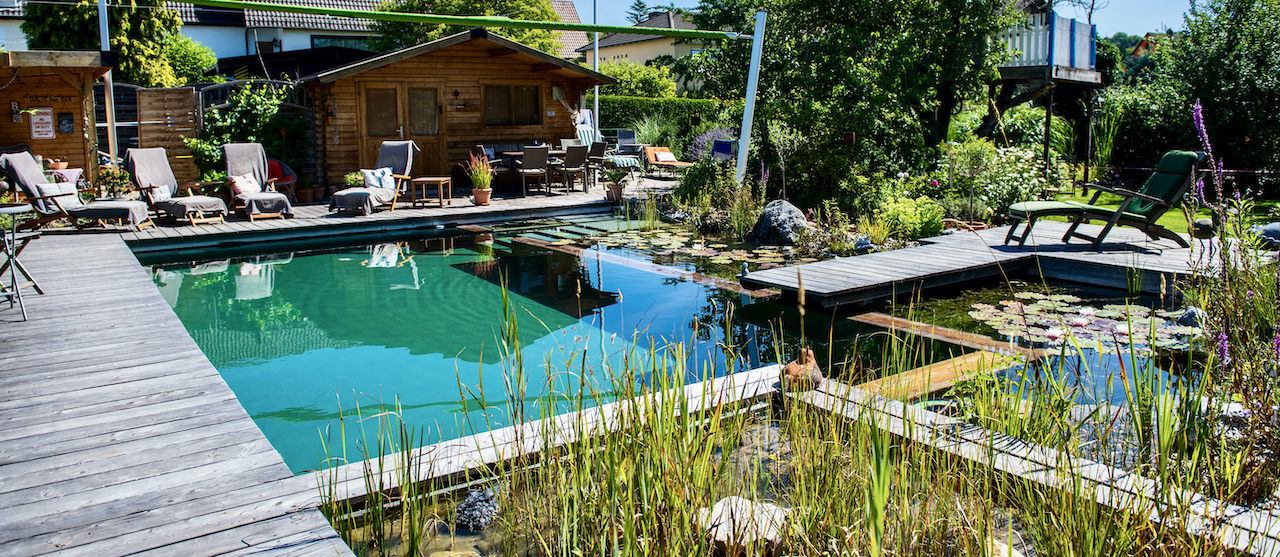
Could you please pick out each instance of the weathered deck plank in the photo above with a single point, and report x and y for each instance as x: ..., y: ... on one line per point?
x: 119, y: 436
x: 958, y: 257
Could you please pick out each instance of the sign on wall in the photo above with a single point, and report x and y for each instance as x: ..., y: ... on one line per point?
x: 42, y: 123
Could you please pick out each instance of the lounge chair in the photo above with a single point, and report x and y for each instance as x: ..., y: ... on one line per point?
x: 152, y: 175
x: 252, y: 188
x: 380, y: 187
x: 1138, y: 209
x: 57, y: 200
x: 662, y: 157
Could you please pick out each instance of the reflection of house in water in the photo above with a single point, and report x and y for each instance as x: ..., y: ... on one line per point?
x: 551, y: 278
x: 256, y: 277
x: 223, y: 345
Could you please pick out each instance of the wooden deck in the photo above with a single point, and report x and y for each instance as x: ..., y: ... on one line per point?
x: 315, y: 220
x: 1128, y: 256
x: 120, y: 437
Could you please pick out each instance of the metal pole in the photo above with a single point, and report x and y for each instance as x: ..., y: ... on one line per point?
x: 595, y: 66
x: 748, y: 111
x: 1048, y: 130
x: 108, y: 89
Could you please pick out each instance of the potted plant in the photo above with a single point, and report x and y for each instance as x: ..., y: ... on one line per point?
x: 617, y: 182
x: 112, y: 182
x: 481, y: 174
x: 58, y: 163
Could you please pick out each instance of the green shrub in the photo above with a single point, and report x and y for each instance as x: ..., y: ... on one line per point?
x: 957, y: 207
x: 637, y: 80
x: 659, y: 131
x: 708, y: 183
x: 252, y: 114
x: 911, y: 219
x: 619, y: 112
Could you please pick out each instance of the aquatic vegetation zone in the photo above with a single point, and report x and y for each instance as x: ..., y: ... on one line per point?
x: 842, y: 473
x: 1054, y: 319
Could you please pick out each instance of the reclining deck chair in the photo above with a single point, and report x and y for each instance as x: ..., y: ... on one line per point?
x: 380, y: 188
x: 1138, y: 209
x: 662, y: 157
x: 56, y: 200
x: 251, y: 187
x: 152, y: 175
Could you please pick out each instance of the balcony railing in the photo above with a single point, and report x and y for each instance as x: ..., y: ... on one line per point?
x: 1048, y: 39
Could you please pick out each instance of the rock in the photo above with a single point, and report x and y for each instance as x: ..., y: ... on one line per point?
x: 802, y: 373
x: 1192, y: 317
x: 1203, y: 228
x: 1269, y: 234
x: 736, y: 523
x: 997, y: 548
x: 478, y: 510
x: 780, y: 223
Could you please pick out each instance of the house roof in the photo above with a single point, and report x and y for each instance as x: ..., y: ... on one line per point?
x: 498, y: 46
x: 569, y: 40
x: 231, y: 17
x: 661, y: 20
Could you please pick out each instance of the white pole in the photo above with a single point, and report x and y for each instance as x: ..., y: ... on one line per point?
x: 108, y: 89
x: 595, y: 66
x: 748, y: 111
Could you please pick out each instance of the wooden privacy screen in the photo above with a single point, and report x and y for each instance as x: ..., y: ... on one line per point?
x: 165, y: 116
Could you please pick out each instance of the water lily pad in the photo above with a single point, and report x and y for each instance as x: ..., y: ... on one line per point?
x: 1029, y: 296
x: 1109, y: 314
x: 1065, y: 298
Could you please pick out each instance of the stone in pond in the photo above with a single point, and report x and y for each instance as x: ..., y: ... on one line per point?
x: 478, y: 510
x: 1192, y: 317
x: 780, y: 223
x: 1269, y: 234
x: 802, y: 373
x: 737, y: 524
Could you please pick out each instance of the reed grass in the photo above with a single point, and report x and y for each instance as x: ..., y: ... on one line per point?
x: 634, y: 478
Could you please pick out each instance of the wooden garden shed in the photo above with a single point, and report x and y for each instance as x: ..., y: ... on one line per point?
x: 49, y: 97
x: 447, y: 95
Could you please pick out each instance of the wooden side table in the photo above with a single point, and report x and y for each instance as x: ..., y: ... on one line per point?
x: 443, y: 185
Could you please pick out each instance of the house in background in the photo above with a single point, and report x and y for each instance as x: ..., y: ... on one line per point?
x: 638, y: 49
x: 231, y: 32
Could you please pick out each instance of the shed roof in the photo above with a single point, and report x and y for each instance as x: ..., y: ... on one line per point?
x: 50, y: 61
x: 660, y: 20
x: 496, y: 44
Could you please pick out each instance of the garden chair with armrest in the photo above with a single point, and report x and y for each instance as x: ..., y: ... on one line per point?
x: 252, y: 188
x: 151, y: 174
x: 1140, y: 209
x: 57, y: 200
x: 395, y: 155
x: 534, y: 163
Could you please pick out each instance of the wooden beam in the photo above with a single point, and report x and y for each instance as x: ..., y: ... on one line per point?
x: 503, y: 51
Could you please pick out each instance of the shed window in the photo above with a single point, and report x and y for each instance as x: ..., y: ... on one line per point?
x: 512, y: 105
x: 424, y: 116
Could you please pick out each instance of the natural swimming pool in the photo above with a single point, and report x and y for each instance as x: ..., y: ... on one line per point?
x: 306, y: 336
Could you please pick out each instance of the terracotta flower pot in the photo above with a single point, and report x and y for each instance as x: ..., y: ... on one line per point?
x: 304, y: 196
x: 61, y: 165
x: 482, y: 196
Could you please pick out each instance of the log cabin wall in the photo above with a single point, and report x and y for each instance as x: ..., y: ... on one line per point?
x: 67, y: 92
x: 467, y: 68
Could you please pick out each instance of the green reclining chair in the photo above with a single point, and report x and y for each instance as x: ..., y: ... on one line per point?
x: 1138, y: 209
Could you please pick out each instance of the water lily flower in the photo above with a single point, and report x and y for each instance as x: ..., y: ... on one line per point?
x: 1056, y: 335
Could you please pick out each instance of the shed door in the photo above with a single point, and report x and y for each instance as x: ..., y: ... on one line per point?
x: 403, y: 110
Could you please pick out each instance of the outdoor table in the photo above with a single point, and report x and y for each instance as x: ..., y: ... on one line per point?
x: 443, y: 185
x: 13, y: 245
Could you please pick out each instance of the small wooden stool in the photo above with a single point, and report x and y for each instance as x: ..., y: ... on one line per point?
x: 443, y: 185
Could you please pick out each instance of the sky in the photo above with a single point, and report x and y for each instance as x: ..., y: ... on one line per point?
x: 1134, y: 17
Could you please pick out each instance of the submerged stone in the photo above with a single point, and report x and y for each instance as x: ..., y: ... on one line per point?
x: 478, y: 510
x: 736, y: 524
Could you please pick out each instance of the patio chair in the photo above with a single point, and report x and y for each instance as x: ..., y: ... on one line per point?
x: 1141, y: 209
x: 574, y: 164
x: 724, y: 150
x: 151, y: 174
x: 568, y: 142
x: 251, y: 186
x: 662, y: 157
x: 383, y: 184
x: 627, y: 143
x: 533, y: 163
x: 285, y: 179
x: 57, y: 200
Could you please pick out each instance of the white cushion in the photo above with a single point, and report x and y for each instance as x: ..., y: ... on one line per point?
x: 57, y: 189
x: 378, y: 178
x: 160, y: 193
x: 245, y: 183
x: 664, y: 156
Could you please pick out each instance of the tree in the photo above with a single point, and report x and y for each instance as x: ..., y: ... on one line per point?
x: 1089, y: 7
x: 394, y: 35
x: 138, y: 28
x: 188, y: 58
x: 638, y: 12
x: 635, y: 80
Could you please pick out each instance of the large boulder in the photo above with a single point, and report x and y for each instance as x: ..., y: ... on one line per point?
x: 780, y: 223
x: 478, y: 510
x: 1269, y: 234
x: 737, y: 524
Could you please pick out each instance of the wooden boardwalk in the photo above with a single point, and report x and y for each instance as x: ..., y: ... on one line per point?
x: 120, y: 437
x: 1127, y: 257
x: 315, y: 220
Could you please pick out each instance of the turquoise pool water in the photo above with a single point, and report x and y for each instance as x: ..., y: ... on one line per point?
x: 308, y: 336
